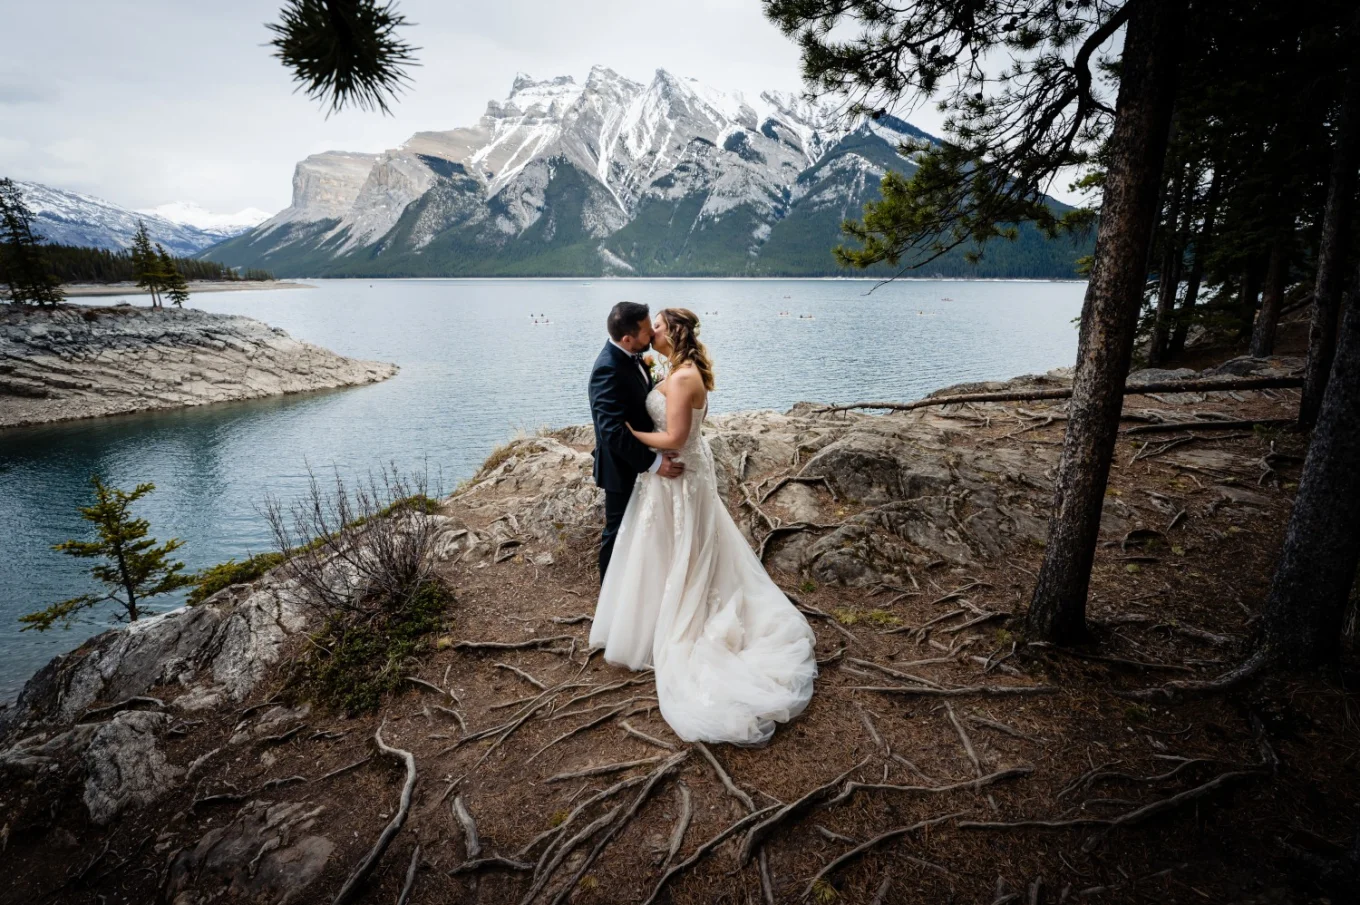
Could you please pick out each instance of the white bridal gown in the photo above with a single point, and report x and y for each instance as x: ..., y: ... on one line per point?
x: 685, y: 594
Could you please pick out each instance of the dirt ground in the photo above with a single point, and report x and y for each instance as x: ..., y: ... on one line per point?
x: 1068, y: 791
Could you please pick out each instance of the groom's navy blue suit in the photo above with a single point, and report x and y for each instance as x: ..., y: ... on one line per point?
x: 618, y: 397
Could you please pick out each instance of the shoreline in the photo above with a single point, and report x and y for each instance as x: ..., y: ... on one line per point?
x: 74, y: 362
x: 89, y: 290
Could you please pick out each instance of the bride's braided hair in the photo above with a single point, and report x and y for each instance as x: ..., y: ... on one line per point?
x: 683, y: 331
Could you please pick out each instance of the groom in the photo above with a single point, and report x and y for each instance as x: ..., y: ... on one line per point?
x: 619, y: 384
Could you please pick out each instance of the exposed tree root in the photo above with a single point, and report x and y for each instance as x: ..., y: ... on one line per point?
x: 851, y: 788
x: 666, y: 769
x: 472, y: 843
x: 533, y: 644
x: 649, y: 739
x: 707, y: 847
x: 896, y: 674
x: 435, y: 688
x: 552, y: 836
x: 873, y: 843
x: 1148, y: 811
x: 349, y: 892
x: 963, y: 737
x: 1002, y: 727
x: 958, y: 691
x: 681, y: 824
x: 345, y: 769
x: 522, y: 674
x: 757, y: 834
x: 581, y: 728
x: 497, y: 862
x: 462, y: 724
x: 603, y: 769
x: 135, y: 701
x: 551, y: 860
x: 732, y: 788
x: 794, y: 528
x: 410, y: 883
x: 1167, y: 386
x: 1249, y: 669
x: 1170, y: 427
x: 800, y: 479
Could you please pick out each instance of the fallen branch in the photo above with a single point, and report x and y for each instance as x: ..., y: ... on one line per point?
x: 349, y: 892
x: 963, y: 737
x: 1213, y: 384
x: 888, y: 671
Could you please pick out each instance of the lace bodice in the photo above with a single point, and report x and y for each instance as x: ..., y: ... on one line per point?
x: 656, y: 408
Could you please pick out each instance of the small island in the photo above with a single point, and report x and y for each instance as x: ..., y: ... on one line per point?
x: 79, y: 361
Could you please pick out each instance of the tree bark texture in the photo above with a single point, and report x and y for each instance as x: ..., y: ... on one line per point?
x: 1252, y: 278
x: 1109, y: 317
x: 1333, y: 242
x: 1272, y: 298
x: 1301, y: 626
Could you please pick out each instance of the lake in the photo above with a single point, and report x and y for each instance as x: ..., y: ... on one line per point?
x: 475, y: 370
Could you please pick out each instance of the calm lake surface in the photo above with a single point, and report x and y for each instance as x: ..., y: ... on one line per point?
x: 475, y: 370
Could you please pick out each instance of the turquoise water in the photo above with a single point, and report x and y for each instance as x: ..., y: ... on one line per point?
x: 475, y: 370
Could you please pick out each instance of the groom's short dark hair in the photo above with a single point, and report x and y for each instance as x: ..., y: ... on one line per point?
x: 625, y: 317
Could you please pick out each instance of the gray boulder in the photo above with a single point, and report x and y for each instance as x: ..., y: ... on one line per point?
x: 125, y: 765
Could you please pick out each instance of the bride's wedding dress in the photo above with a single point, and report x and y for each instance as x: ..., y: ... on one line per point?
x: 685, y: 594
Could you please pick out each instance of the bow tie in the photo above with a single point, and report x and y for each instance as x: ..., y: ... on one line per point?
x: 637, y: 357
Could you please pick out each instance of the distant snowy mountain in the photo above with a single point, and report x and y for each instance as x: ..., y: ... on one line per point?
x: 72, y: 218
x: 611, y: 176
x: 222, y: 225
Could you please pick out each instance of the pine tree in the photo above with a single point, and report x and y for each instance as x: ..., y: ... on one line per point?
x: 23, y: 266
x: 177, y: 288
x: 134, y: 567
x: 146, y: 264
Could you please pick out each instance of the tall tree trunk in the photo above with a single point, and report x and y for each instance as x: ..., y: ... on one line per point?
x: 1277, y: 273
x: 1169, y: 276
x: 1251, y: 292
x: 1186, y: 311
x: 1109, y: 315
x: 1301, y: 625
x: 1334, y: 241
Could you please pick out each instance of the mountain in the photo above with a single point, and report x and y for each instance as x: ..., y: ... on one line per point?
x: 70, y: 218
x: 612, y: 176
x: 224, y: 226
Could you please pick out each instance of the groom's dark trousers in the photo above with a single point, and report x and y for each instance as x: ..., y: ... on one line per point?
x: 618, y: 397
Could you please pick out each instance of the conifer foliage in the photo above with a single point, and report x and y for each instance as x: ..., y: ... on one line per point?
x: 24, y: 269
x: 134, y: 566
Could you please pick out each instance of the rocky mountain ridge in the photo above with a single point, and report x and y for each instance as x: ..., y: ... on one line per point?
x: 607, y: 176
x: 73, y: 218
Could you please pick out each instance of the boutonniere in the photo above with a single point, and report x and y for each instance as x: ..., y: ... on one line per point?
x: 649, y: 361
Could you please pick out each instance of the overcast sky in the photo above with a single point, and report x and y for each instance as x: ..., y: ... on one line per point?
x: 147, y: 102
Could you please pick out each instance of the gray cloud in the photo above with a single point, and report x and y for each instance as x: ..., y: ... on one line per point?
x: 162, y: 100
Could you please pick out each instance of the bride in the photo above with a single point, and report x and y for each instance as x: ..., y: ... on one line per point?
x: 684, y: 593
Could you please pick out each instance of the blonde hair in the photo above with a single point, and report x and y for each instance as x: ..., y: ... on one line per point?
x: 683, y: 331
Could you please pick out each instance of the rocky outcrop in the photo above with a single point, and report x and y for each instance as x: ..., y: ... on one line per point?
x: 125, y: 766
x: 266, y: 854
x: 77, y: 362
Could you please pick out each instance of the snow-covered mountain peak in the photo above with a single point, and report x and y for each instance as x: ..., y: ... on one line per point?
x: 190, y: 214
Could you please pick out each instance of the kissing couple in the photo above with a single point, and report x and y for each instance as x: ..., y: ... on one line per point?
x: 680, y: 589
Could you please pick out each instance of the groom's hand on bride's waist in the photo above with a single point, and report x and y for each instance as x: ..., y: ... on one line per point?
x: 671, y: 466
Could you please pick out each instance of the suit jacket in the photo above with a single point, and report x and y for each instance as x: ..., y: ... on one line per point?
x: 618, y: 397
